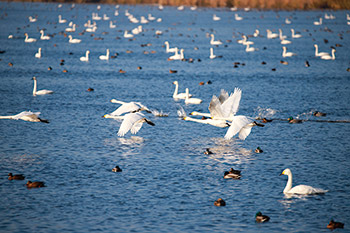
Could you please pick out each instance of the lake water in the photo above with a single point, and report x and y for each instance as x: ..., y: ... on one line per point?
x: 167, y: 183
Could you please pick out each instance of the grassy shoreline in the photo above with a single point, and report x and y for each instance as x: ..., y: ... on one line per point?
x: 255, y: 4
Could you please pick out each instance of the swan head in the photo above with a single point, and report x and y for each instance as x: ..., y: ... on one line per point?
x: 176, y: 82
x: 34, y: 78
x: 114, y: 101
x: 286, y: 172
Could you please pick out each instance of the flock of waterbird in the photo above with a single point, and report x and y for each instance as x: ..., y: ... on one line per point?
x: 222, y: 109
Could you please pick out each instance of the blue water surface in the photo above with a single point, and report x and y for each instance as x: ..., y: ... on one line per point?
x: 167, y: 183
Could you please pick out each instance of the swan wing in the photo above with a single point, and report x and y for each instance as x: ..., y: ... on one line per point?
x: 306, y: 189
x: 215, y: 108
x: 245, y: 131
x: 127, y: 107
x: 231, y: 105
x: 25, y: 113
x: 237, y: 124
x: 223, y: 96
x: 128, y: 123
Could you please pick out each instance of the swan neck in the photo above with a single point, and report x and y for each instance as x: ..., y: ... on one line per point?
x: 289, y: 183
x: 6, y: 117
x: 34, y: 88
x: 176, y: 89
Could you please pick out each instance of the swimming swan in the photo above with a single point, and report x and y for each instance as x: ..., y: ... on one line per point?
x: 287, y: 54
x: 299, y: 189
x: 189, y: 100
x: 212, y: 56
x: 133, y: 122
x: 167, y: 49
x: 177, y: 56
x: 295, y: 35
x: 43, y: 37
x: 41, y: 92
x: 319, y: 54
x: 328, y: 57
x: 86, y: 57
x: 38, y: 54
x: 28, y: 40
x: 177, y: 95
x: 60, y: 20
x: 104, y: 57
x: 213, y: 41
x: 73, y: 41
x: 26, y: 116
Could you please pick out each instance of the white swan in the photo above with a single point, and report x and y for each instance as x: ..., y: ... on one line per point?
x: 41, y: 92
x: 216, y: 18
x: 60, y: 20
x: 212, y: 56
x: 177, y: 95
x: 328, y: 57
x: 73, y: 41
x: 318, y: 22
x: 151, y: 17
x: 91, y: 29
x: 271, y: 35
x: 295, y: 35
x: 167, y: 49
x: 137, y: 30
x: 177, y: 56
x: 128, y: 107
x: 287, y: 21
x: 43, y: 37
x: 284, y: 41
x: 223, y: 107
x: 250, y: 49
x: 31, y: 19
x: 28, y: 40
x: 213, y: 41
x: 105, y: 17
x: 287, y: 54
x: 238, y: 18
x: 133, y: 122
x: 72, y: 29
x: 38, y: 54
x: 241, y: 125
x: 281, y: 36
x: 95, y: 16
x: 143, y: 20
x: 256, y: 33
x: 319, y: 54
x: 299, y: 189
x: 111, y: 25
x: 127, y: 35
x: 26, y: 116
x: 208, y: 121
x: 86, y: 57
x: 246, y: 42
x: 104, y: 57
x: 190, y: 100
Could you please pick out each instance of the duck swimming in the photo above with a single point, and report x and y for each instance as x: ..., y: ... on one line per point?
x: 117, y: 169
x: 294, y: 121
x: 259, y: 217
x: 319, y: 114
x: 16, y: 177
x: 219, y: 202
x: 36, y: 184
x: 232, y: 174
x: 258, y: 150
x: 333, y: 225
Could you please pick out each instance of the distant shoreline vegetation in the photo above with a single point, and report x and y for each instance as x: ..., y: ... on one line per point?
x: 254, y: 4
